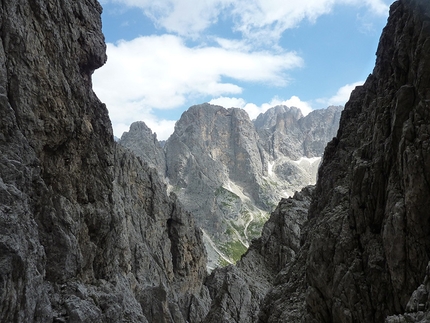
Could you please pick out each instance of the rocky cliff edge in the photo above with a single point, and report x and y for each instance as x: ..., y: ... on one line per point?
x: 364, y: 246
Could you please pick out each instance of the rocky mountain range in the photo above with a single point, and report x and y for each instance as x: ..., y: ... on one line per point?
x: 230, y: 172
x: 88, y: 232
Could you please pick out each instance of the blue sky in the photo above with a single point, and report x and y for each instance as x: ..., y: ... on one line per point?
x: 166, y: 55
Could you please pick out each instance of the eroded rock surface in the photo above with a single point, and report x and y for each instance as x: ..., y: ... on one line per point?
x: 365, y: 247
x: 364, y: 250
x: 89, y: 234
x: 230, y: 172
x: 238, y: 292
x: 143, y: 143
x: 87, y: 231
x: 370, y: 238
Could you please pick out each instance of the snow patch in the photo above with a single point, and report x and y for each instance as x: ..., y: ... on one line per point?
x: 310, y: 165
x: 311, y: 160
x: 287, y: 193
x: 270, y: 168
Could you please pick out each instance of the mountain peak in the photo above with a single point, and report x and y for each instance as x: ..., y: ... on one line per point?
x: 230, y: 174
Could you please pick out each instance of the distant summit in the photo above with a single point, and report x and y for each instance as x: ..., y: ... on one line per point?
x: 230, y: 172
x: 143, y: 142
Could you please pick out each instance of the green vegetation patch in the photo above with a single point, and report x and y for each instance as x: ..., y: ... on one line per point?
x: 255, y: 228
x: 222, y: 262
x: 233, y: 250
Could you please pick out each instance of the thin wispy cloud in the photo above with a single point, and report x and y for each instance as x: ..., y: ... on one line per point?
x: 263, y: 19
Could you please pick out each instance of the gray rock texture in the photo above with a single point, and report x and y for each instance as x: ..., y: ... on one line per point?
x: 89, y: 234
x: 370, y: 234
x: 417, y: 308
x: 239, y: 291
x: 364, y: 248
x: 87, y: 231
x: 211, y: 149
x: 230, y: 172
x: 286, y: 132
x: 143, y: 143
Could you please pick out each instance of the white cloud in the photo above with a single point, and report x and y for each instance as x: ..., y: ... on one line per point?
x: 228, y: 102
x: 230, y: 44
x: 342, y: 95
x: 161, y: 72
x: 268, y: 19
x: 125, y: 113
x: 262, y: 19
x: 185, y: 17
x: 340, y: 98
x: 254, y: 110
x: 163, y: 128
x: 295, y: 101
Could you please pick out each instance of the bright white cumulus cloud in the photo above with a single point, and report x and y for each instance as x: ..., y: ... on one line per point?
x: 162, y: 72
x: 342, y: 95
x: 254, y: 110
x: 340, y: 98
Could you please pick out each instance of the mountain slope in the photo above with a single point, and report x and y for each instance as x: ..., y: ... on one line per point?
x: 89, y: 234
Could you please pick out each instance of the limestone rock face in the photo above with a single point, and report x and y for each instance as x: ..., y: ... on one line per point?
x: 211, y: 148
x: 230, y: 172
x: 286, y: 132
x: 143, y: 143
x: 280, y: 131
x: 87, y: 231
x: 295, y: 143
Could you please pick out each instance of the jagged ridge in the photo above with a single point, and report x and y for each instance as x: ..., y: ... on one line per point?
x: 230, y: 172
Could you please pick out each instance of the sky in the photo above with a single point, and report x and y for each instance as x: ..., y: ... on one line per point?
x: 167, y: 55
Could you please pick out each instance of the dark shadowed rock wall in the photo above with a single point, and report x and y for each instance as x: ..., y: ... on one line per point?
x: 369, y: 243
x: 238, y: 292
x: 87, y: 231
x: 366, y: 246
